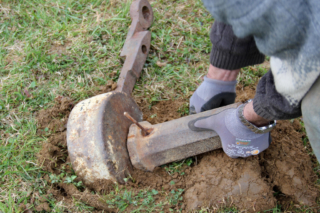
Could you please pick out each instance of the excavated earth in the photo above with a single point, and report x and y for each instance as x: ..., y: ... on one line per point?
x: 282, y: 174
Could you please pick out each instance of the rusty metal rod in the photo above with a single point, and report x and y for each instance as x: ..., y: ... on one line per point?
x: 143, y: 130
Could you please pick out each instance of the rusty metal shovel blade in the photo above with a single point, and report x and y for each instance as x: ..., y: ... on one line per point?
x: 97, y: 135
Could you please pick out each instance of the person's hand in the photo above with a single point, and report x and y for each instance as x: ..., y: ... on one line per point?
x: 236, y: 137
x: 212, y: 94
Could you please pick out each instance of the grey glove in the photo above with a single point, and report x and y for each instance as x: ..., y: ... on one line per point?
x: 212, y: 94
x: 236, y: 138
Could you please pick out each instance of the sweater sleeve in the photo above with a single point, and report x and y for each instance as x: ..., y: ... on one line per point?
x: 278, y: 26
x: 286, y: 30
x: 230, y: 52
x: 271, y: 105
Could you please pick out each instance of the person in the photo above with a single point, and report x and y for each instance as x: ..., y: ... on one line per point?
x: 244, y: 32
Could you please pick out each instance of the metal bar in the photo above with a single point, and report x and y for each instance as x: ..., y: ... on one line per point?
x: 144, y: 131
x: 171, y: 141
x: 137, y: 45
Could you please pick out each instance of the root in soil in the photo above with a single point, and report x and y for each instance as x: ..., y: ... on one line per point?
x: 281, y: 174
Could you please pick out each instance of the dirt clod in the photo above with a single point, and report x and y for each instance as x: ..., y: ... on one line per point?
x: 220, y: 180
x: 56, y: 117
x: 288, y: 166
x: 43, y: 207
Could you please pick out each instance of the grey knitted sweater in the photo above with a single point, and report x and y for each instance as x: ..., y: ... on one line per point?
x: 286, y: 30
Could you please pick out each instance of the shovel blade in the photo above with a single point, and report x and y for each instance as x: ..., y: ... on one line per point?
x: 96, y: 136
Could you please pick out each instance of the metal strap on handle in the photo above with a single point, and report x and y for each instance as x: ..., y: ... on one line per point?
x: 137, y: 45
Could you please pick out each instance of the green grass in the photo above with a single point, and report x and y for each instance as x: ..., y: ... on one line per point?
x: 142, y: 201
x: 179, y: 166
x: 251, y: 75
x: 51, y: 48
x: 71, y: 48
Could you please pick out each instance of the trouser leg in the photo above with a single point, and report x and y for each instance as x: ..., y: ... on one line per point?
x: 311, y: 116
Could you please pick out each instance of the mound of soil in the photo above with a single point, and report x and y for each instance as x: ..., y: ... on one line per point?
x: 220, y: 180
x: 283, y: 173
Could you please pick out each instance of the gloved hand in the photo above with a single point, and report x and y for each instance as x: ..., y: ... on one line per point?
x: 236, y: 138
x: 212, y: 94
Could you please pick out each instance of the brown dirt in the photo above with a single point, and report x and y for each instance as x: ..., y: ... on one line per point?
x: 162, y: 111
x: 58, y: 48
x: 43, y: 207
x: 220, y: 180
x: 283, y: 173
x: 249, y: 183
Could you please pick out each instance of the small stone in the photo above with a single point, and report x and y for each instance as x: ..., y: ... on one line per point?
x: 161, y: 64
x: 110, y: 83
x: 114, y: 86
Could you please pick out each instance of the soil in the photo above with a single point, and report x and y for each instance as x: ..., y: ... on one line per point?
x: 162, y: 111
x: 281, y: 174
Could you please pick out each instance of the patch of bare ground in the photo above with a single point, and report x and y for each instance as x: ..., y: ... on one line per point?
x: 15, y: 53
x: 57, y: 47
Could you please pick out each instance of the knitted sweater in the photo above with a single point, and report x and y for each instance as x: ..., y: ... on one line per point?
x: 286, y: 30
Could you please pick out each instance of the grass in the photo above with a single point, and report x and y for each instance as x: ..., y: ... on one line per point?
x: 178, y: 167
x: 142, y: 201
x: 71, y: 48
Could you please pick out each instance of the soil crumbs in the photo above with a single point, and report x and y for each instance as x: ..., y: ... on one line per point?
x: 281, y: 174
